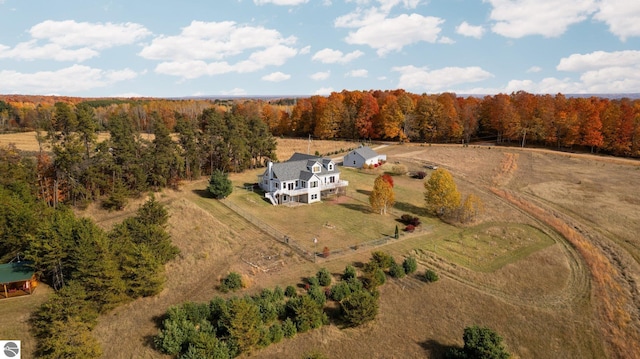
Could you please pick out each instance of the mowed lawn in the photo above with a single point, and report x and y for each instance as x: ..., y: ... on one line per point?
x: 348, y: 222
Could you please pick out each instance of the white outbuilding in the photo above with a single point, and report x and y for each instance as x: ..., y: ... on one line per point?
x: 361, y: 156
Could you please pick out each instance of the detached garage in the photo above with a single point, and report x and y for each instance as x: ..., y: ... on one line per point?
x: 16, y: 279
x: 361, y: 156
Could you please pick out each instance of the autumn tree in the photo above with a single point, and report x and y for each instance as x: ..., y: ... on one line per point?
x: 441, y: 193
x: 382, y: 197
x: 471, y: 208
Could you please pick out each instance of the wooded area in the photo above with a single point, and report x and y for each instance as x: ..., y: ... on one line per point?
x: 598, y: 124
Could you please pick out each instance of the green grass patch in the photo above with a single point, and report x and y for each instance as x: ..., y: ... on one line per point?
x: 489, y: 246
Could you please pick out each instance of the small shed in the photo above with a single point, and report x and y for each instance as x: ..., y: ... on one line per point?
x: 362, y: 156
x: 16, y: 279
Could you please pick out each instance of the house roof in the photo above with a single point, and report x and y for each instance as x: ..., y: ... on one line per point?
x: 297, y: 167
x: 366, y: 152
x: 15, y: 272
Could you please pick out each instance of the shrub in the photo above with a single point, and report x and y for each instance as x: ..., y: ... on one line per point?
x: 410, y: 265
x: 396, y: 270
x: 313, y: 282
x: 399, y: 169
x: 289, y: 328
x: 409, y: 228
x: 420, y: 175
x: 276, y: 333
x: 340, y: 291
x: 231, y: 282
x: 381, y: 259
x: 324, y: 277
x: 375, y: 279
x: 349, y: 272
x: 317, y: 294
x: 480, y: 342
x: 290, y: 291
x: 326, y: 252
x: 430, y: 276
x: 410, y: 219
x: 359, y: 308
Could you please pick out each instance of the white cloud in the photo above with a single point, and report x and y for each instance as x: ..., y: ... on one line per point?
x: 93, y: 35
x: 599, y: 60
x: 73, y: 41
x: 280, y: 2
x: 465, y: 29
x: 549, y: 18
x: 622, y: 16
x: 392, y: 34
x: 329, y: 56
x: 446, y: 40
x: 234, y: 92
x: 421, y: 79
x: 534, y: 69
x: 276, y: 77
x: 76, y: 78
x: 187, y: 55
x: 358, y: 73
x: 324, y: 91
x: 319, y: 76
x: 305, y: 50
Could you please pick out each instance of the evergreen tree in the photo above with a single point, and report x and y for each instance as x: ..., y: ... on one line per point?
x: 219, y: 184
x: 360, y: 307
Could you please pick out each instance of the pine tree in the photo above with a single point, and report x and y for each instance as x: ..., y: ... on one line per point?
x: 219, y: 184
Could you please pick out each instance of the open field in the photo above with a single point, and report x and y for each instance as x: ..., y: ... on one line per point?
x: 517, y: 270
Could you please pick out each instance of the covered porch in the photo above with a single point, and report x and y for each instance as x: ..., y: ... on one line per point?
x: 16, y: 279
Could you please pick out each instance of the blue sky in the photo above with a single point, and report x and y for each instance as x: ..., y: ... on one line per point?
x: 165, y: 48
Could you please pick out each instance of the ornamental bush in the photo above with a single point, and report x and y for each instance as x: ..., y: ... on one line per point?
x: 396, y: 270
x: 349, y: 272
x: 290, y: 291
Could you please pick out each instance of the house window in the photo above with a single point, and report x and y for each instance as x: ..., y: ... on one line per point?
x: 315, y: 168
x: 330, y: 167
x: 313, y: 184
x: 314, y: 196
x: 303, y: 184
x: 354, y: 162
x: 290, y: 185
x: 332, y: 179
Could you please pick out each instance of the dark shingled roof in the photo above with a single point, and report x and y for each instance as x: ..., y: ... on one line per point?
x: 15, y: 272
x: 297, y: 167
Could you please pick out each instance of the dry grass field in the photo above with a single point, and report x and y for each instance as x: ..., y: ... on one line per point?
x: 551, y: 265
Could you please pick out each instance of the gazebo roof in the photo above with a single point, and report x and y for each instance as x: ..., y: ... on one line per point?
x: 15, y: 272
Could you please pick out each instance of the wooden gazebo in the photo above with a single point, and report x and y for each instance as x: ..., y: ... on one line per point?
x: 16, y: 279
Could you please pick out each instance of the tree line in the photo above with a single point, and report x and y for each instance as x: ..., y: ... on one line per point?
x: 83, y: 169
x: 598, y: 124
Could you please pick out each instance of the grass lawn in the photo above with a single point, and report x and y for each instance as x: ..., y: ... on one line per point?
x: 347, y: 221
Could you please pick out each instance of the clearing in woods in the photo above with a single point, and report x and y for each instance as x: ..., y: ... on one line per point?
x: 516, y: 270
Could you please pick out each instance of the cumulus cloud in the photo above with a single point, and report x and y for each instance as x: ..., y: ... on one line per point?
x: 73, y: 41
x: 324, y: 91
x: 358, y: 73
x: 534, y: 69
x: 73, y: 79
x: 422, y: 79
x: 276, y: 77
x: 599, y: 60
x: 319, y: 76
x: 330, y: 56
x: 622, y: 17
x: 280, y: 2
x: 203, y: 47
x: 465, y: 29
x: 392, y: 34
x: 549, y: 18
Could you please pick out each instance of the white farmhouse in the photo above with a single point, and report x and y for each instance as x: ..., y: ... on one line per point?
x: 361, y: 156
x: 302, y: 178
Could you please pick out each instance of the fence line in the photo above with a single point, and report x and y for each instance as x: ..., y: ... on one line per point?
x: 303, y: 251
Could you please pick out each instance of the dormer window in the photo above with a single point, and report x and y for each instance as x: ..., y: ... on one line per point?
x: 315, y: 168
x: 330, y: 166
